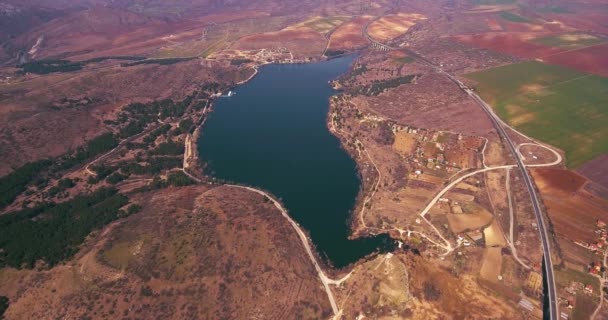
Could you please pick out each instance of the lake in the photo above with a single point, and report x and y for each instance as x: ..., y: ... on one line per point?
x: 273, y: 135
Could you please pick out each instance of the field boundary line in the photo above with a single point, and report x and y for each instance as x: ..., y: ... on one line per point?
x: 573, y: 50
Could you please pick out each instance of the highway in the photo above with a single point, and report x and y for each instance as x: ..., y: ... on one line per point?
x: 542, y: 229
x: 500, y: 127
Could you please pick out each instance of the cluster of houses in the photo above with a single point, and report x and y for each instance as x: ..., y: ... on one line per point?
x: 602, y: 233
x: 434, y: 161
x: 573, y: 290
x: 474, y: 237
x: 596, y: 268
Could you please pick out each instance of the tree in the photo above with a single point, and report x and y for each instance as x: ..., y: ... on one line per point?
x: 179, y: 179
x: 3, y: 306
x: 431, y: 291
x: 65, y: 183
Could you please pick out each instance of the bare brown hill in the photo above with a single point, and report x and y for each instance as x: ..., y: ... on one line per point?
x: 191, y: 253
x: 36, y: 123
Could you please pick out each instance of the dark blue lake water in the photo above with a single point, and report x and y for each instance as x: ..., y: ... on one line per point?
x: 272, y: 134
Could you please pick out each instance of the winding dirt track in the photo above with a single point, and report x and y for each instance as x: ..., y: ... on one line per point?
x: 324, y: 279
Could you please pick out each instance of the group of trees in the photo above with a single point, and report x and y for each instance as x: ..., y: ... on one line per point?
x: 122, y: 170
x: 185, y: 126
x: 137, y: 116
x: 150, y: 138
x: 133, y: 120
x: 53, y: 232
x: 179, y: 179
x: 39, y: 172
x: 168, y: 148
x: 333, y: 53
x: 62, y: 185
x: 379, y: 86
x: 16, y: 182
x: 97, y: 146
x: 3, y: 306
x: 50, y: 66
x: 238, y: 62
x: 176, y: 179
x: 47, y: 66
x: 165, y: 61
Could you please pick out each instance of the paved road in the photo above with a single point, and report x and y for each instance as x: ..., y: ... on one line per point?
x: 542, y: 229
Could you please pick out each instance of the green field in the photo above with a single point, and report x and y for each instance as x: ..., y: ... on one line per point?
x: 324, y: 24
x: 405, y: 60
x: 513, y: 17
x: 559, y: 106
x: 554, y: 9
x: 569, y: 40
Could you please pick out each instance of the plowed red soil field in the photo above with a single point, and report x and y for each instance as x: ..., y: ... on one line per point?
x: 350, y: 34
x: 513, y: 43
x: 592, y: 59
x: 596, y: 170
x: 572, y: 210
x: 591, y: 21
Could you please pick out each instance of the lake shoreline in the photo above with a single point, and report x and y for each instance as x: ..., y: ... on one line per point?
x: 360, y: 194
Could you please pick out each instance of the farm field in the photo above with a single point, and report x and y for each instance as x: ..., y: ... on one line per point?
x: 560, y: 106
x: 573, y: 211
x: 592, y: 59
x: 321, y: 24
x: 469, y: 221
x: 490, y: 268
x: 551, y: 41
x: 510, y: 16
x: 391, y: 26
x: 217, y: 38
x: 349, y: 34
x: 492, y: 2
x: 569, y: 40
x: 518, y: 44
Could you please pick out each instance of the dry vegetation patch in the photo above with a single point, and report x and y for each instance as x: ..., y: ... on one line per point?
x: 408, y: 286
x: 47, y: 126
x: 227, y: 247
x: 491, y: 265
x: 303, y: 42
x: 474, y: 218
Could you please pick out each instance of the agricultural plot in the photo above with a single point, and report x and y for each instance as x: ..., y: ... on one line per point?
x: 569, y: 40
x: 350, y: 34
x: 562, y: 107
x: 216, y: 38
x: 392, y: 26
x: 510, y: 16
x: 492, y: 2
x: 321, y: 24
x: 592, y: 59
x: 573, y: 211
x: 518, y: 44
